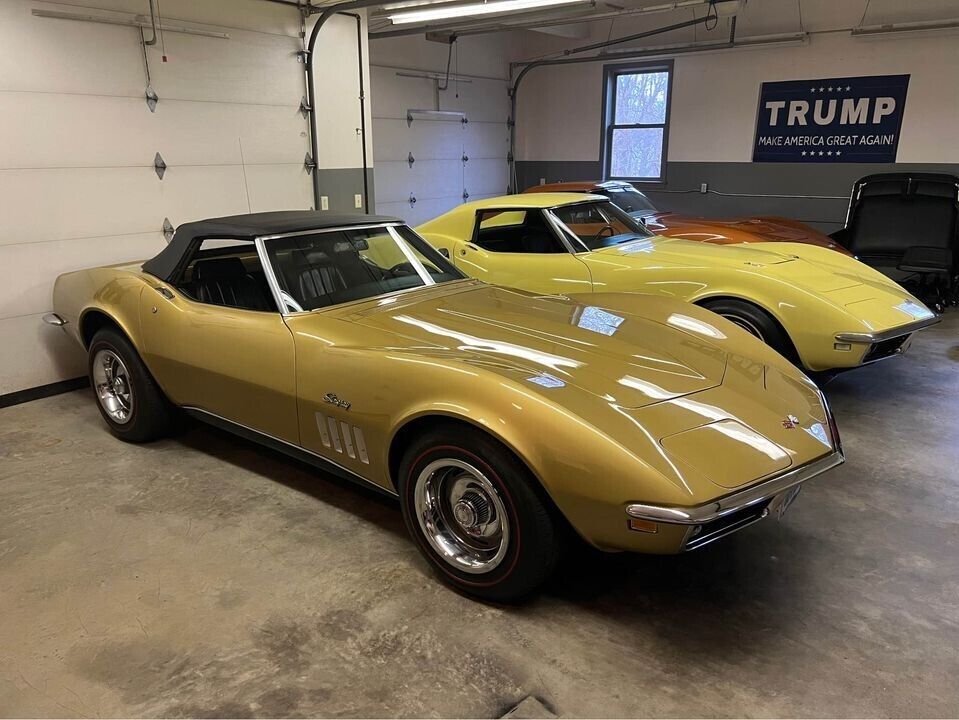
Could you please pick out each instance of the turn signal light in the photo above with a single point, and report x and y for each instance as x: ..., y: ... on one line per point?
x: 646, y: 526
x: 845, y: 347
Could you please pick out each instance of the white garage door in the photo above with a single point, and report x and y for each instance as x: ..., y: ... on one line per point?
x: 77, y: 184
x: 452, y: 160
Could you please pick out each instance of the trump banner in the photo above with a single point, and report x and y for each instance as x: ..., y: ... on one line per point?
x: 854, y: 119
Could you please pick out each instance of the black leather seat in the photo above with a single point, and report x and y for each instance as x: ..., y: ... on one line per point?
x: 225, y: 281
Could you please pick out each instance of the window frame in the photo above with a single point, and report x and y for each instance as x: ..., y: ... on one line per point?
x: 274, y: 283
x: 610, y: 75
x: 191, y: 255
x: 543, y: 213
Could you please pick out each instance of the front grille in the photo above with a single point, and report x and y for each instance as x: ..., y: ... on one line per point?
x: 884, y: 348
x: 716, y: 529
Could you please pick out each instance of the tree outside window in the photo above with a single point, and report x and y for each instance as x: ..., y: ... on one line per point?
x: 637, y: 113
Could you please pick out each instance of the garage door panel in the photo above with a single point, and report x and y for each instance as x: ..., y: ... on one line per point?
x: 78, y: 57
x: 33, y: 353
x: 248, y: 68
x: 52, y: 130
x: 279, y: 187
x: 420, y: 212
x: 481, y: 100
x: 27, y: 272
x: 394, y: 182
x: 487, y: 176
x: 487, y: 140
x: 395, y: 94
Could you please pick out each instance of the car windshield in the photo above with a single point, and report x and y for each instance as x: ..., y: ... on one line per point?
x: 332, y: 267
x: 599, y: 224
x: 630, y: 200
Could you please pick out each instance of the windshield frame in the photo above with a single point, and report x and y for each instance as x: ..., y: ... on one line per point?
x: 562, y: 228
x: 402, y: 243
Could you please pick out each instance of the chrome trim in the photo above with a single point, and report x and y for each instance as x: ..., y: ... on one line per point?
x: 319, y: 231
x: 288, y: 447
x: 271, y: 277
x: 54, y: 319
x: 701, y: 514
x: 888, y: 334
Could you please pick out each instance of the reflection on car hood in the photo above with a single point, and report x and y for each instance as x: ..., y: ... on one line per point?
x: 626, y: 358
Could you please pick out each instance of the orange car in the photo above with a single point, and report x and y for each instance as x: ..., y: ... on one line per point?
x: 687, y: 227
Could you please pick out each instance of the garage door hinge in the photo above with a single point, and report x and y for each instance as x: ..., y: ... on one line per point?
x: 305, y: 108
x: 152, y: 98
x: 302, y: 55
x: 159, y: 166
x: 509, y: 122
x: 509, y: 157
x: 466, y: 195
x: 412, y: 200
x: 309, y: 164
x: 465, y: 158
x: 410, y: 159
x: 168, y: 229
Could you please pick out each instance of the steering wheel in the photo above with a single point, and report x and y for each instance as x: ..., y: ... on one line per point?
x: 602, y: 230
x: 402, y: 269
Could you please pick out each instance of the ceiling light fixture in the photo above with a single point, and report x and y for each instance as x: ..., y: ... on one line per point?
x: 447, y: 12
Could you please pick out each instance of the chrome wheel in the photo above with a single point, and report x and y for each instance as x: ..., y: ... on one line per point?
x: 746, y: 325
x: 462, y: 515
x: 111, y: 382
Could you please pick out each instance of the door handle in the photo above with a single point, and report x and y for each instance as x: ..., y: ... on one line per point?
x: 444, y: 252
x: 165, y: 293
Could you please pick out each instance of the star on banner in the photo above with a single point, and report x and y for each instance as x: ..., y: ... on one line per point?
x: 812, y: 90
x: 839, y: 152
x: 820, y: 153
x: 804, y: 153
x: 848, y: 88
x: 828, y: 153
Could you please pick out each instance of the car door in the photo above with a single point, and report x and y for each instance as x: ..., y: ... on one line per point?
x: 219, y: 344
x: 520, y: 248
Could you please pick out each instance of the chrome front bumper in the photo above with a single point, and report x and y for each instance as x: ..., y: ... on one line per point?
x: 895, y: 332
x: 713, y: 520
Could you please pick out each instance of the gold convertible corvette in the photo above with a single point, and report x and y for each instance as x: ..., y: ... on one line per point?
x: 817, y: 307
x: 500, y: 418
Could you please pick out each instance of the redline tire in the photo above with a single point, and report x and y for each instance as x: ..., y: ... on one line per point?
x: 499, y: 490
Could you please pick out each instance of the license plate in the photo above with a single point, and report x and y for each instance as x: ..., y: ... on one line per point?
x: 787, y: 500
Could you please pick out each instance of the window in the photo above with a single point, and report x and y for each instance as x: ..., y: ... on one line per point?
x: 599, y: 224
x: 636, y: 118
x: 515, y: 231
x: 327, y: 268
x: 227, y: 273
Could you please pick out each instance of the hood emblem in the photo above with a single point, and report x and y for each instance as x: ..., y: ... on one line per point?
x: 334, y: 400
x: 791, y: 422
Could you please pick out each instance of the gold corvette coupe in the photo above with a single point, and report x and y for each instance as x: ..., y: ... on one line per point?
x: 501, y: 419
x: 821, y: 309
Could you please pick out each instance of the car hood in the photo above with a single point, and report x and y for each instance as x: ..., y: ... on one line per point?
x: 631, y: 359
x: 737, y: 230
x: 818, y: 272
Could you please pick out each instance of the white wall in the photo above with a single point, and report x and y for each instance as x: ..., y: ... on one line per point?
x: 77, y: 186
x: 713, y: 112
x: 438, y: 176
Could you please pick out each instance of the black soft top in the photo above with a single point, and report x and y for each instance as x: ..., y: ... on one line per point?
x: 248, y: 227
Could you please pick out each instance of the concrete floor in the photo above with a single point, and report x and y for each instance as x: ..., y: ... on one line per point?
x: 203, y: 576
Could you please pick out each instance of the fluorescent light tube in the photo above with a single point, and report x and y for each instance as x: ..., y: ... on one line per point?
x: 458, y: 11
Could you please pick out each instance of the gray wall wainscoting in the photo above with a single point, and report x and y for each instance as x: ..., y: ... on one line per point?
x: 742, y: 189
x: 341, y: 184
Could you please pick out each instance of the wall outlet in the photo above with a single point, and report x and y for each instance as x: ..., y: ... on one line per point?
x: 703, y: 188
x: 324, y: 202
x: 358, y: 200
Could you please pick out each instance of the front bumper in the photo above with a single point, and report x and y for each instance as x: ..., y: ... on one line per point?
x: 718, y: 518
x: 881, y: 345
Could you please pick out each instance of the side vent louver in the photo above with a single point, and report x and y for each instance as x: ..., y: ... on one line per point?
x: 342, y: 437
